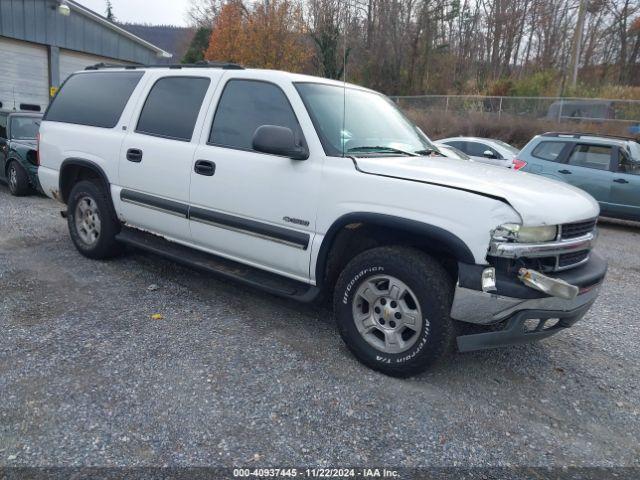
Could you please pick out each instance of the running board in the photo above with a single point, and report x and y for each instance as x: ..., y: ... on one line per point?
x: 222, y: 267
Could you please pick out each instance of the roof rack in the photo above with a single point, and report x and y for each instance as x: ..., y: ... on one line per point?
x: 586, y: 134
x: 176, y: 66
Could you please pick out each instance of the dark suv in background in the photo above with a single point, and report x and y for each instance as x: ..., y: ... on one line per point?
x: 18, y: 155
x: 607, y: 167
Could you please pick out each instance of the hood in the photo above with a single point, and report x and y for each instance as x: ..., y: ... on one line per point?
x: 538, y: 200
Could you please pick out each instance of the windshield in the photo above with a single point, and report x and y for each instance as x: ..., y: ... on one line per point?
x: 24, y: 128
x: 372, y: 124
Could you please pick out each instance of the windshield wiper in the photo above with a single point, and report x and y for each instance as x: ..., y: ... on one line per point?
x: 379, y: 149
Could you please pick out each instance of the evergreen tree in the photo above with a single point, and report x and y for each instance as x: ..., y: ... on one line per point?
x: 110, y: 16
x: 198, y: 46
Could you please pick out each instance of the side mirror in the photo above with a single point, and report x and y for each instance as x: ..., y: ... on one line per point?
x: 278, y: 141
x: 488, y: 154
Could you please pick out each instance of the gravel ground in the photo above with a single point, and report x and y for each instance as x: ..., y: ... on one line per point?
x: 231, y: 376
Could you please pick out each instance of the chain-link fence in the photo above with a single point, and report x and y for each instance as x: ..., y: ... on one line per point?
x: 548, y: 108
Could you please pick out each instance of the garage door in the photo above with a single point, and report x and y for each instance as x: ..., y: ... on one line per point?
x: 24, y: 74
x: 71, y: 62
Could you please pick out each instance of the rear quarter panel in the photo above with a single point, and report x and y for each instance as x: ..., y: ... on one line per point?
x: 62, y: 141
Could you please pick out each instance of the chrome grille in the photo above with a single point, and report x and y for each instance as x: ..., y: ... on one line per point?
x: 578, y: 229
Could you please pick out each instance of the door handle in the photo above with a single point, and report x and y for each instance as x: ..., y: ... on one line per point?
x: 205, y: 167
x: 134, y: 155
x: 621, y: 180
x: 565, y: 172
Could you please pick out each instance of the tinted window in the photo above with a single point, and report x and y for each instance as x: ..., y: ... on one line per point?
x: 477, y: 149
x: 548, y: 150
x: 3, y: 126
x: 172, y: 107
x: 246, y: 105
x: 591, y: 156
x: 94, y: 99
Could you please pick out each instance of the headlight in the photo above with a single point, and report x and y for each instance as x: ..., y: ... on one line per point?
x: 518, y: 233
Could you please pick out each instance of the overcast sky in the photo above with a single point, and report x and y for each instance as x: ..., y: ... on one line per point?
x: 156, y: 12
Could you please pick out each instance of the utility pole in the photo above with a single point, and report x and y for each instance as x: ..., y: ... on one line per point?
x: 577, y: 42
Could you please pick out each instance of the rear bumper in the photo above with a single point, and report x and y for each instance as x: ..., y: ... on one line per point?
x: 515, y: 305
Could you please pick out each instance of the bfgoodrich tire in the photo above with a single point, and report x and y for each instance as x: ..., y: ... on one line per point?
x: 392, y: 308
x: 92, y: 222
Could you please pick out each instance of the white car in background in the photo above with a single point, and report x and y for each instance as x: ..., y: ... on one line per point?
x: 485, y: 150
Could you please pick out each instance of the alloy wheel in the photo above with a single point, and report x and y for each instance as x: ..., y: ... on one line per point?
x: 387, y: 314
x: 87, y: 220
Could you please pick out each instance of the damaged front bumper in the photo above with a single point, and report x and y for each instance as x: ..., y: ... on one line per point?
x: 519, y: 304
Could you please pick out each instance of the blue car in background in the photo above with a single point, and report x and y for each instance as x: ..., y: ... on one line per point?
x: 607, y: 167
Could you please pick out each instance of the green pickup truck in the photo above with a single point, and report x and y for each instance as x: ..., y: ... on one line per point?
x: 18, y: 154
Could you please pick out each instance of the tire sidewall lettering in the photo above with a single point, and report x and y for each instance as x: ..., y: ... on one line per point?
x: 356, y: 278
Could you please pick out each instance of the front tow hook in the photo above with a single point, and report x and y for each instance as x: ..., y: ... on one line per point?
x: 551, y: 286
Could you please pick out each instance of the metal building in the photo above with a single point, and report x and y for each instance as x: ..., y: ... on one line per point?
x: 43, y: 41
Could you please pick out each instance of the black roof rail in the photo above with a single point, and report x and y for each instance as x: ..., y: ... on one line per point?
x: 175, y: 66
x: 586, y: 134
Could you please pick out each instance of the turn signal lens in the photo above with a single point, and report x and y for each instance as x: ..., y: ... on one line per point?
x: 518, y: 164
x: 551, y: 286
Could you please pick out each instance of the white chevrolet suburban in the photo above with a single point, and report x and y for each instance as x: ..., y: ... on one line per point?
x: 308, y: 188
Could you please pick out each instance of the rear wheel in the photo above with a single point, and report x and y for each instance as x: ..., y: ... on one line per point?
x: 392, y: 308
x: 18, y: 179
x: 92, y: 222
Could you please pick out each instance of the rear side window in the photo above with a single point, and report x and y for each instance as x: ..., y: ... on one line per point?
x: 246, y: 105
x: 597, y: 157
x: 172, y: 107
x: 93, y: 99
x: 548, y: 150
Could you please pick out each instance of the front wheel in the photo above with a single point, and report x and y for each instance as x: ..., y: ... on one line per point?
x: 392, y: 308
x: 18, y: 179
